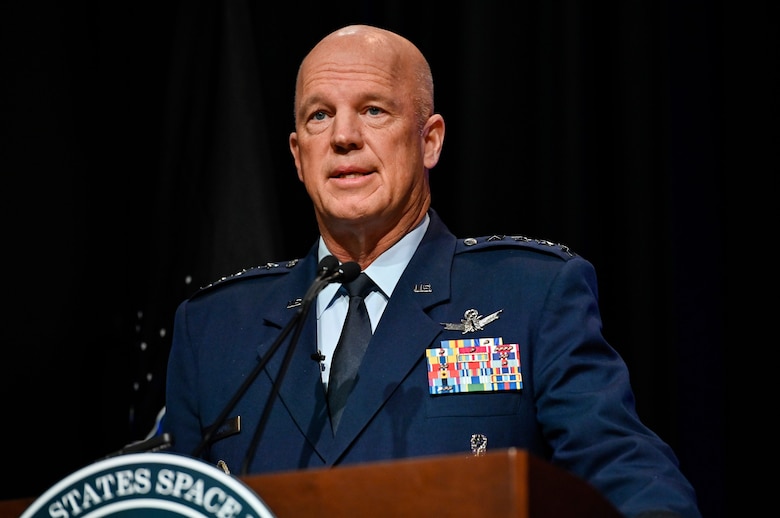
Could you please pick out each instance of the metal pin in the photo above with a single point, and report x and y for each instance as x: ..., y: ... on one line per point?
x: 478, y: 444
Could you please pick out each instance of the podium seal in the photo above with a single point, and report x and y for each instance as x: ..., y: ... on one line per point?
x: 158, y: 485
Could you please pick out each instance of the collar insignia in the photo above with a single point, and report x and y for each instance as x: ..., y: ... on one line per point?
x: 423, y: 287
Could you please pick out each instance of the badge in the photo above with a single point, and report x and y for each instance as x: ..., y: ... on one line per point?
x: 478, y: 444
x: 472, y: 321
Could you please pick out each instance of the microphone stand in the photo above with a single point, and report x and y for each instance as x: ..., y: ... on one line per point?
x: 328, y: 272
x: 207, y: 436
x: 250, y: 454
x: 347, y: 272
x: 326, y: 264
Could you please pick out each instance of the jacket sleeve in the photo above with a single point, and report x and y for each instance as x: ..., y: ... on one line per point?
x: 586, y: 405
x: 181, y: 415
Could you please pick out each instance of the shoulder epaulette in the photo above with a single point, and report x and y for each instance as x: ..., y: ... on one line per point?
x: 255, y: 271
x: 496, y: 240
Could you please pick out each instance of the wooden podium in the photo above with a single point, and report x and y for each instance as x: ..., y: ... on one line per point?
x: 500, y: 483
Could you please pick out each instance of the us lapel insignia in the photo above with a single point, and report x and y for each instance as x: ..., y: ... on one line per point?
x: 472, y: 321
x: 423, y: 287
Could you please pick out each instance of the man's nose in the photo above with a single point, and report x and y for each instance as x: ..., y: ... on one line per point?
x: 346, y: 131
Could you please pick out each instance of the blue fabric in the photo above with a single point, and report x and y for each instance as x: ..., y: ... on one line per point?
x: 576, y: 407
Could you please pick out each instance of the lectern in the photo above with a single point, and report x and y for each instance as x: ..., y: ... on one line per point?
x: 501, y: 483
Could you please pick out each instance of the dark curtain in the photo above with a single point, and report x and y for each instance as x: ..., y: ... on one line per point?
x: 146, y: 155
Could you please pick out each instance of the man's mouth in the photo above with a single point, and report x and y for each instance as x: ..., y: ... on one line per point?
x: 353, y: 174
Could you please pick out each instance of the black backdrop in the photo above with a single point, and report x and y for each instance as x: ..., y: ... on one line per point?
x: 145, y: 154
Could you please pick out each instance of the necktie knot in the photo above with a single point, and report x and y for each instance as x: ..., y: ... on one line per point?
x: 360, y: 287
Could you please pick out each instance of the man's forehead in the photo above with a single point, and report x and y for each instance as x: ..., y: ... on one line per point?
x: 351, y: 76
x: 352, y: 60
x: 349, y: 92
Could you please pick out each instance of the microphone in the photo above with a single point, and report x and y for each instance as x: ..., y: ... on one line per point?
x: 326, y: 265
x: 344, y: 273
x: 328, y: 270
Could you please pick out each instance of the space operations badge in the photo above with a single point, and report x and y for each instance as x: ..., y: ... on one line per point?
x: 473, y: 365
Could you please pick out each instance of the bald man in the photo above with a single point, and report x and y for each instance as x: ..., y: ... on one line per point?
x: 496, y: 338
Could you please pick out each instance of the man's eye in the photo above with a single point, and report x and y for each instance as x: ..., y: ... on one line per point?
x: 373, y: 110
x: 318, y: 116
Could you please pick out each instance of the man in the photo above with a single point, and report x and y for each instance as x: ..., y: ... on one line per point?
x: 366, y: 136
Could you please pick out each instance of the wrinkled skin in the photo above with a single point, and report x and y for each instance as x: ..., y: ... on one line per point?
x: 365, y: 139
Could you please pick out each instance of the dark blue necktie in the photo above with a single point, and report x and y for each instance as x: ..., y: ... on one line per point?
x: 351, y: 346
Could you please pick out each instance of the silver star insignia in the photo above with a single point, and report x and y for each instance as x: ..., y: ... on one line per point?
x: 472, y: 321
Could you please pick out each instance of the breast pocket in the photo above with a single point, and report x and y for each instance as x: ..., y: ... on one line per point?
x: 474, y: 404
x: 474, y: 377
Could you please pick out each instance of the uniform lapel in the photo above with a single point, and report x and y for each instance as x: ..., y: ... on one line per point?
x: 301, y: 392
x: 403, y: 334
x: 388, y: 360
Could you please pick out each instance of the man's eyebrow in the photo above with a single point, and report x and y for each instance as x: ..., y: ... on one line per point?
x: 306, y: 104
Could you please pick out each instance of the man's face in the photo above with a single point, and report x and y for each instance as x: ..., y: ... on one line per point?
x: 358, y: 146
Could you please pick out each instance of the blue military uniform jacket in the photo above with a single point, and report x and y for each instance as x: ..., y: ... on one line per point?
x: 575, y: 407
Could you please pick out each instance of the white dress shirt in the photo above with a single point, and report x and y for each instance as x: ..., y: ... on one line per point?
x: 332, y: 302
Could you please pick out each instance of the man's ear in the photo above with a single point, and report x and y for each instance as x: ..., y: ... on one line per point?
x: 433, y: 135
x: 296, y: 153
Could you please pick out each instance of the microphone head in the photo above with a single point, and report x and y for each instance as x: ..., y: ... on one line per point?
x: 348, y: 272
x: 327, y: 264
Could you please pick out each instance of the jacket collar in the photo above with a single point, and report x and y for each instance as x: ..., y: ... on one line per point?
x: 424, y: 283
